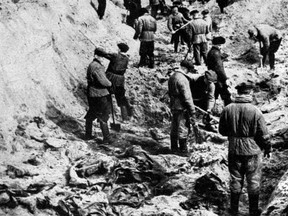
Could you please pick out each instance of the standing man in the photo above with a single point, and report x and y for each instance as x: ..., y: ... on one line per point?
x: 154, y: 4
x: 145, y: 30
x: 215, y: 63
x: 115, y: 73
x: 175, y: 21
x: 207, y: 18
x: 198, y: 29
x: 98, y: 97
x: 269, y: 41
x: 182, y: 108
x: 245, y: 127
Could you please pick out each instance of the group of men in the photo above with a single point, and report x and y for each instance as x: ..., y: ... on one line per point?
x: 240, y: 121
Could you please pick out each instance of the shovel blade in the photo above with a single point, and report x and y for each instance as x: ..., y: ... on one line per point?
x: 115, y: 127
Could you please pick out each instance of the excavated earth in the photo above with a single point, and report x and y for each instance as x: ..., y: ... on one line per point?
x: 47, y: 168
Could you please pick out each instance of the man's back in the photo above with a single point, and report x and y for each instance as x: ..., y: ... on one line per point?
x: 146, y: 26
x: 198, y: 30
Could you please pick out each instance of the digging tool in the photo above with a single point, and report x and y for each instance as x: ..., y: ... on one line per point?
x: 113, y: 125
x: 182, y: 26
x: 203, y: 111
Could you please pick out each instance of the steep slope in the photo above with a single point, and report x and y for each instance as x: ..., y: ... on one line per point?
x: 44, y: 55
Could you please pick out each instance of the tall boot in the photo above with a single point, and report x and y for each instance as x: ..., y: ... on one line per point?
x: 253, y: 204
x: 151, y: 62
x: 129, y: 110
x: 105, y: 131
x: 183, y: 145
x: 124, y: 113
x: 176, y: 46
x: 174, y: 144
x: 88, y: 129
x: 142, y: 61
x: 234, y: 203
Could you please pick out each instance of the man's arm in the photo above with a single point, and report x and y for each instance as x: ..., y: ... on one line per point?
x: 99, y: 75
x: 262, y: 136
x: 210, y: 96
x: 138, y: 28
x: 105, y: 54
x: 184, y: 88
x: 222, y: 124
x: 219, y: 67
x: 169, y: 23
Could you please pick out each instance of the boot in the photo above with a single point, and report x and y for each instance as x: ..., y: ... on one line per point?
x: 142, y: 61
x: 234, y: 203
x: 88, y: 129
x: 176, y: 47
x: 124, y: 113
x: 151, y: 62
x: 105, y: 131
x: 174, y: 144
x: 253, y: 205
x: 183, y: 146
x: 129, y: 110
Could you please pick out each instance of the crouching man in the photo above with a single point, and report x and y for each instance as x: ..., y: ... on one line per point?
x: 245, y: 127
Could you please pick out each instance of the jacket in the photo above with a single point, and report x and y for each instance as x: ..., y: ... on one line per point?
x: 245, y: 127
x: 145, y: 28
x: 97, y: 80
x: 266, y: 34
x: 208, y: 20
x: 175, y: 21
x: 198, y: 29
x: 203, y: 91
x: 180, y: 93
x: 117, y: 67
x: 215, y: 63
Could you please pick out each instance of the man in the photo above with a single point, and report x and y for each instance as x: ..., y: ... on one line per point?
x: 98, y: 97
x: 269, y: 40
x: 176, y: 21
x: 154, y: 4
x: 215, y: 63
x: 245, y: 127
x: 133, y: 6
x: 182, y: 108
x: 203, y: 92
x: 145, y: 29
x: 198, y: 29
x: 115, y: 73
x: 207, y: 18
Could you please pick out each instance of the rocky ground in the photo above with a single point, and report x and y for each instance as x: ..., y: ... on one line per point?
x: 48, y: 169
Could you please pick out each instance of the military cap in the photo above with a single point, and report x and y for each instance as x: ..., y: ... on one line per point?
x: 252, y: 32
x: 188, y: 65
x: 99, y: 51
x: 177, y: 3
x: 244, y: 87
x: 218, y: 40
x: 143, y: 11
x: 211, y: 76
x: 194, y: 12
x: 204, y: 12
x: 123, y: 47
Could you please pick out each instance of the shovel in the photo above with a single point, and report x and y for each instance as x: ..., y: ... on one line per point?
x: 113, y: 125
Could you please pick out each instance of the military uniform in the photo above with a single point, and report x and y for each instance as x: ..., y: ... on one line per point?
x: 182, y: 108
x: 115, y: 73
x: 245, y: 127
x: 270, y: 39
x: 175, y: 21
x: 98, y: 99
x: 145, y: 28
x: 215, y: 63
x: 198, y: 29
